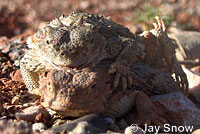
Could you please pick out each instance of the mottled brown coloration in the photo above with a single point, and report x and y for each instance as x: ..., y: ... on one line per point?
x: 160, y: 51
x: 147, y: 112
x: 76, y: 41
x: 82, y: 39
x: 73, y: 92
x: 77, y: 60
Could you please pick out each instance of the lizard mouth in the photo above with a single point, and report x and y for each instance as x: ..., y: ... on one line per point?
x: 91, y: 59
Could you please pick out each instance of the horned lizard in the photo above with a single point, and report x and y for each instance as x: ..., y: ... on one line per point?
x: 82, y: 39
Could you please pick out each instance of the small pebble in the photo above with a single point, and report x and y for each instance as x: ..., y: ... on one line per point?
x: 81, y: 128
x: 15, y: 100
x: 38, y: 127
x: 196, y: 131
x: 34, y: 114
x: 58, y: 122
x: 134, y: 130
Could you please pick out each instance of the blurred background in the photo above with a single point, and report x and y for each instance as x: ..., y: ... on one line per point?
x: 18, y: 16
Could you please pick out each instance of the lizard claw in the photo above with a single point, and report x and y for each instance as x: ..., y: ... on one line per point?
x: 123, y: 75
x: 181, y: 78
x: 159, y: 27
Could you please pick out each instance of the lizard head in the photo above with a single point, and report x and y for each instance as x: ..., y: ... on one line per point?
x: 73, y: 92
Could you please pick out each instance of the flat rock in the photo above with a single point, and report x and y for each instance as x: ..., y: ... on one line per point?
x: 196, y: 69
x: 134, y: 130
x: 189, y: 41
x: 14, y: 127
x: 16, y: 76
x: 38, y: 127
x: 34, y: 114
x: 180, y: 111
x: 194, y: 84
x: 87, y: 124
x: 196, y: 131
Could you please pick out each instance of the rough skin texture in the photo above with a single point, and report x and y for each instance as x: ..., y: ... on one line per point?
x: 158, y: 44
x: 72, y: 92
x: 81, y: 40
x: 83, y: 57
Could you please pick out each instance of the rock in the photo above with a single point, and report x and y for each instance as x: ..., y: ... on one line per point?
x: 194, y: 85
x: 15, y: 100
x: 83, y: 127
x: 6, y: 66
x: 196, y: 131
x: 180, y: 111
x: 87, y: 124
x: 134, y: 130
x: 15, y: 47
x: 196, y: 69
x: 188, y: 43
x: 9, y: 85
x: 59, y: 122
x: 47, y: 132
x: 34, y: 114
x: 16, y: 75
x: 29, y: 104
x: 14, y: 127
x: 193, y: 78
x: 38, y: 127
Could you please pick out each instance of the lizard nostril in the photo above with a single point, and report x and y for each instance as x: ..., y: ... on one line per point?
x: 45, y: 74
x: 47, y: 42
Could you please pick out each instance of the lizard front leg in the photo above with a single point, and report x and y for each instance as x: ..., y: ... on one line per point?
x: 30, y: 78
x: 130, y: 54
x: 30, y: 67
x: 168, y: 51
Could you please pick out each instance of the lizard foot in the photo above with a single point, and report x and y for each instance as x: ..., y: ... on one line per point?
x: 169, y: 54
x: 122, y: 74
x: 147, y: 112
